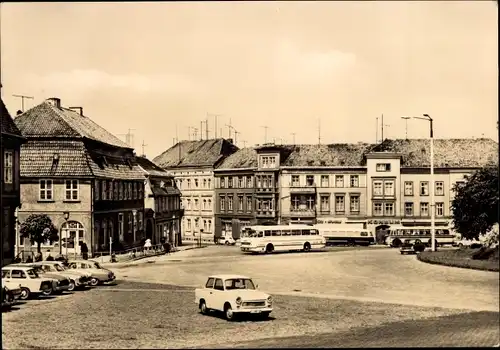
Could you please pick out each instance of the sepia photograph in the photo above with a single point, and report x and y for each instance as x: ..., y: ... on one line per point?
x: 249, y: 174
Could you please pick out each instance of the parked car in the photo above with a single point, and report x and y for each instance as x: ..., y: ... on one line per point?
x: 227, y: 240
x: 31, y: 282
x: 98, y: 274
x: 62, y: 281
x: 60, y: 265
x: 10, y: 296
x: 407, y: 247
x: 467, y: 243
x: 53, y: 269
x: 233, y: 294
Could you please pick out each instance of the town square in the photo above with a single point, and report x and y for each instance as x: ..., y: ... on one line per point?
x: 249, y: 175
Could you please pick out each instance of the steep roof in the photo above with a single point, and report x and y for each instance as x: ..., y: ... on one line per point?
x: 150, y: 168
x: 243, y: 158
x: 48, y: 120
x: 7, y: 125
x: 195, y: 153
x: 448, y: 153
x: 338, y: 154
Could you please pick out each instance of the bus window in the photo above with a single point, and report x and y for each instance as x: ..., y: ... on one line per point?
x: 305, y: 232
x: 267, y: 233
x: 261, y: 234
x: 446, y: 232
x: 295, y: 232
x: 314, y: 232
x: 275, y: 233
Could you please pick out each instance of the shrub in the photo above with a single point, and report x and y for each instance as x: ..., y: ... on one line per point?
x: 419, y: 247
x: 485, y: 253
x: 476, y: 245
x: 452, y: 259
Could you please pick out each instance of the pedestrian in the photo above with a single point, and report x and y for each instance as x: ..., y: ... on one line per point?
x: 38, y: 257
x: 49, y: 257
x: 147, y: 244
x: 168, y: 247
x: 85, y: 251
x: 29, y: 259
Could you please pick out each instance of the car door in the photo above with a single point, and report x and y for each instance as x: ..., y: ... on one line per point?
x: 19, y: 277
x: 209, y: 293
x: 6, y: 277
x: 218, y: 294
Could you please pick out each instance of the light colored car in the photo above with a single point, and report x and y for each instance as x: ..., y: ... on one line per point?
x: 98, y: 274
x: 52, y: 269
x: 85, y: 275
x: 233, y: 294
x: 30, y: 282
x: 227, y: 240
x: 63, y: 283
x: 465, y: 242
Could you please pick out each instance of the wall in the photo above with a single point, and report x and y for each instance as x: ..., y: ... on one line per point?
x: 371, y: 163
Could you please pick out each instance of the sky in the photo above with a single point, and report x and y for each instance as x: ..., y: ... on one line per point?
x: 324, y: 71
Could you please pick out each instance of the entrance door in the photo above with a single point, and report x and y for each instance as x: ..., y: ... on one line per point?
x: 72, y: 235
x: 380, y: 233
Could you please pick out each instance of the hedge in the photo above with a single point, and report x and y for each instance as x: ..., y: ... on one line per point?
x: 459, y: 258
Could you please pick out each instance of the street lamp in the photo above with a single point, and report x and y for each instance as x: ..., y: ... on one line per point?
x: 66, y: 217
x: 433, y: 231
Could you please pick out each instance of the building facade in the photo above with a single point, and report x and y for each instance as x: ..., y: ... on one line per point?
x: 162, y: 204
x: 192, y: 164
x: 10, y: 146
x: 84, y: 178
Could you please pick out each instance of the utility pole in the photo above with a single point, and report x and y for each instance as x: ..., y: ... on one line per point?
x: 406, y: 126
x: 22, y: 97
x: 265, y: 133
x: 293, y: 135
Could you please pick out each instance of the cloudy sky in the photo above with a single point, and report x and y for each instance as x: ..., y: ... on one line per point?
x: 158, y: 67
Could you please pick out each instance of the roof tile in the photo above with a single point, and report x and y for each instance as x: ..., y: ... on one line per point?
x: 7, y: 125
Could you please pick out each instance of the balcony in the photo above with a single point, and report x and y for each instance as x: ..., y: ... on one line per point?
x: 261, y: 213
x: 303, y: 213
x: 303, y: 189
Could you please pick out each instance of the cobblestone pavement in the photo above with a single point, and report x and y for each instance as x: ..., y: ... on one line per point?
x: 377, y: 275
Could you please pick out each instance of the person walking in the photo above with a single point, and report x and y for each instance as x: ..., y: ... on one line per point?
x: 38, y: 257
x: 49, y: 257
x: 147, y: 245
x: 85, y: 251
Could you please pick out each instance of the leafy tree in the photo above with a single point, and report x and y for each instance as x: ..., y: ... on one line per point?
x: 39, y: 229
x: 475, y: 206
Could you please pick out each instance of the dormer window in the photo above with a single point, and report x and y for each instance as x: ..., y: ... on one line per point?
x: 383, y: 167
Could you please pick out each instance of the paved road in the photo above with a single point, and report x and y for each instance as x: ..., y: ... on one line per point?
x: 378, y: 275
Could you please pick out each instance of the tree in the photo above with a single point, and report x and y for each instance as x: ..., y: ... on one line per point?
x: 475, y: 206
x: 39, y: 229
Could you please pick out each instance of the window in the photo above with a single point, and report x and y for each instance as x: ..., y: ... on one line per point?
x: 135, y: 190
x: 8, y: 170
x: 354, y: 203
x: 408, y: 209
x: 424, y: 209
x: 230, y: 203
x: 424, y: 188
x: 383, y: 167
x: 140, y: 190
x: 120, y: 190
x: 209, y: 225
x: 204, y: 183
x: 295, y: 181
x: 389, y: 209
x: 249, y: 204
x: 339, y: 203
x: 209, y: 183
x: 408, y: 188
x: 115, y: 191
x: 222, y: 182
x: 354, y: 179
x: 196, y: 222
x: 240, y: 182
x: 325, y: 181
x: 188, y: 183
x: 97, y: 192
x: 295, y: 203
x: 439, y: 209
x: 204, y: 204
x: 310, y: 203
x: 218, y: 284
x: 222, y: 201
x: 189, y: 224
x: 210, y: 283
x: 141, y: 220
x: 209, y: 204
x: 377, y: 209
x: 45, y: 192
x: 388, y: 188
x: 377, y: 188
x: 324, y: 203
x: 310, y: 180
x: 129, y: 186
x: 339, y: 180
x: 71, y: 190
x: 439, y: 189
x: 196, y: 205
x: 120, y: 224
x: 230, y: 182
x: 205, y: 225
x: 240, y: 203
x: 196, y: 183
x: 249, y: 181
x: 188, y: 202
x: 130, y: 222
x: 17, y: 274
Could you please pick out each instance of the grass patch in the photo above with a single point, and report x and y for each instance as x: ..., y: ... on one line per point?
x: 463, y: 258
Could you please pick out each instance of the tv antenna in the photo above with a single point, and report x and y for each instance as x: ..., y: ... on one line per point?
x: 406, y: 126
x: 23, y: 97
x: 293, y: 137
x: 265, y: 133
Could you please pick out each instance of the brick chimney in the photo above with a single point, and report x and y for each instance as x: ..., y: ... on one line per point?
x: 54, y: 101
x: 77, y: 109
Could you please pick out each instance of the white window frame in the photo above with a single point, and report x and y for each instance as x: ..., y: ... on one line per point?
x: 424, y: 185
x: 325, y: 181
x: 383, y: 167
x: 440, y: 209
x: 339, y: 205
x: 230, y: 203
x: 381, y: 188
x: 377, y: 213
x: 240, y: 203
x: 421, y: 209
x: 386, y: 212
x: 354, y: 180
x: 222, y: 203
x: 249, y: 204
x: 408, y: 191
x: 324, y: 203
x: 339, y: 181
x: 441, y: 192
x: 46, y: 190
x: 392, y: 188
x: 409, y: 205
x: 74, y: 187
x: 8, y: 162
x: 353, y: 204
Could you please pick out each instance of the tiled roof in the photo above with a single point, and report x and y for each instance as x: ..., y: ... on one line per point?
x: 459, y: 153
x: 114, y: 168
x: 37, y: 159
x: 7, y: 125
x: 339, y: 154
x: 195, y: 153
x: 243, y: 158
x: 47, y: 120
x: 150, y: 168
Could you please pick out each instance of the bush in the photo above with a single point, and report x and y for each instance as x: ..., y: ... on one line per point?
x: 484, y: 253
x: 476, y: 245
x: 419, y: 247
x: 459, y: 258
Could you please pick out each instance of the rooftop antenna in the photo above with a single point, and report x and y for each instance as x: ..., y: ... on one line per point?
x: 22, y: 97
x: 143, y: 146
x: 201, y: 130
x: 382, y: 127
x: 206, y: 128
x: 265, y: 133
x: 215, y: 121
x: 236, y: 135
x: 244, y: 143
x: 319, y: 131
x: 376, y: 130
x: 229, y: 127
x: 406, y: 126
x: 189, y: 133
x: 293, y: 135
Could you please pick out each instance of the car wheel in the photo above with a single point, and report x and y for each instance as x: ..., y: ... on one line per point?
x: 203, y: 307
x: 228, y: 311
x: 94, y: 281
x: 351, y: 243
x: 48, y: 291
x: 25, y: 293
x: 269, y: 248
x: 71, y: 286
x: 226, y: 243
x: 307, y: 247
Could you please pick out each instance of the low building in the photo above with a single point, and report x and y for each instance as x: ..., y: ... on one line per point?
x: 234, y: 193
x: 192, y: 164
x: 162, y: 204
x: 84, y: 178
x: 10, y: 145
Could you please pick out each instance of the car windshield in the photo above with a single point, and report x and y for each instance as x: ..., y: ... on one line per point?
x: 58, y: 267
x: 239, y: 283
x: 32, y: 273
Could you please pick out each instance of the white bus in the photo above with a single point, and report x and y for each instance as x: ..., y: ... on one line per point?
x: 346, y: 235
x: 268, y: 239
x: 419, y: 234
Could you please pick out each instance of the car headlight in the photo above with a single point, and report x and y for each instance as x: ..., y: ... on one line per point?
x: 238, y: 301
x: 269, y: 300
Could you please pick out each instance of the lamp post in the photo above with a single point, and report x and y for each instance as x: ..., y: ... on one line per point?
x: 66, y: 217
x: 433, y: 213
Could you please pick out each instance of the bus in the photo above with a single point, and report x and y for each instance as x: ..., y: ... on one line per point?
x: 419, y: 234
x: 275, y: 238
x: 346, y: 234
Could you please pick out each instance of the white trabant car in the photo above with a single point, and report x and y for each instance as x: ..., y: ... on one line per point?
x: 28, y: 280
x: 233, y: 295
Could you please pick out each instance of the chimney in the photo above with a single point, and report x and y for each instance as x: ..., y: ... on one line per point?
x: 230, y: 140
x: 77, y: 109
x: 54, y: 101
x: 19, y: 112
